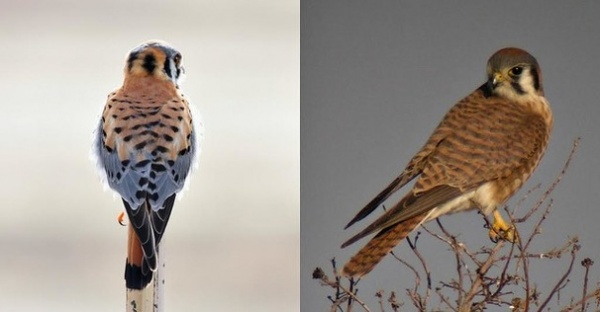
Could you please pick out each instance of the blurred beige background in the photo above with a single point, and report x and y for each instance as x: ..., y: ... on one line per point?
x: 233, y: 240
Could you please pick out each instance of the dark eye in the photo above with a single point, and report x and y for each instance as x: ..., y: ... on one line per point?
x: 177, y: 59
x: 516, y: 71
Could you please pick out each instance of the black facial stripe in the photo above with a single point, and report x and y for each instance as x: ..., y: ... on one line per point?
x: 167, y: 67
x: 536, y: 78
x: 132, y: 57
x: 149, y: 63
x: 487, y: 89
x: 178, y: 72
x: 517, y: 87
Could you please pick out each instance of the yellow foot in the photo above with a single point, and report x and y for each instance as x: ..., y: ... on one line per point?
x: 501, y: 230
x: 121, y: 218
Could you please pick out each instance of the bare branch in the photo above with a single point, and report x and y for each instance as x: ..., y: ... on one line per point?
x: 555, y: 183
x: 571, y: 307
x: 481, y: 271
x: 562, y: 279
x: 342, y: 294
x: 413, y: 247
x: 587, y: 263
x: 487, y: 275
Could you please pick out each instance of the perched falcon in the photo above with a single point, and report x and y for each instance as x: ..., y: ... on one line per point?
x: 145, y: 145
x: 482, y: 151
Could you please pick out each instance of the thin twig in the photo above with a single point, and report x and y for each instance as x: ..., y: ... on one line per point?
x: 379, y: 295
x: 538, y: 226
x: 320, y: 275
x: 523, y: 198
x: 417, y: 276
x: 351, y: 291
x: 551, y: 254
x: 587, y: 263
x: 572, y: 306
x: 562, y: 279
x: 394, y: 302
x: 482, y: 270
x: 503, y: 280
x: 523, y: 249
x: 340, y: 296
x: 525, y: 262
x: 537, y: 230
x: 422, y: 302
x: 464, y: 247
x: 456, y: 247
x: 445, y: 300
x: 555, y: 183
x: 413, y: 247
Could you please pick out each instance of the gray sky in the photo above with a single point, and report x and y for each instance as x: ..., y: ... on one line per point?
x: 377, y: 78
x: 232, y: 241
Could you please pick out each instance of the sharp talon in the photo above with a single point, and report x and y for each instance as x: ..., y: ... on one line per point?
x: 493, y: 237
x: 499, y: 230
x: 121, y: 218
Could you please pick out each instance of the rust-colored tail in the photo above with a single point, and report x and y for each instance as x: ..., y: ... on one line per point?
x: 366, y: 259
x: 137, y: 274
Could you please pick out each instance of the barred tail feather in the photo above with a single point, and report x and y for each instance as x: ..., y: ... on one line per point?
x: 137, y: 273
x: 372, y: 253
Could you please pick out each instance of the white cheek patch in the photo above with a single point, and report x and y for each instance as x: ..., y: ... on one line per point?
x: 181, y: 78
x: 526, y: 82
x: 173, y: 69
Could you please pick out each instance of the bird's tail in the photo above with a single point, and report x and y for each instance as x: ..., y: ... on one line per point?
x: 372, y: 253
x: 137, y: 273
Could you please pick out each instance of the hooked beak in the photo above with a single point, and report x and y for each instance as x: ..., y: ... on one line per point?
x: 495, y: 80
x: 498, y: 78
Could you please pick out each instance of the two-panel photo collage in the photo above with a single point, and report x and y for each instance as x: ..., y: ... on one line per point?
x: 299, y: 155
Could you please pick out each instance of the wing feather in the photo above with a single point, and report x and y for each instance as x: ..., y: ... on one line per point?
x: 461, y: 155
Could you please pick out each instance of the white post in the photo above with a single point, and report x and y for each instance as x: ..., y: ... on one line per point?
x: 151, y: 298
x: 140, y: 300
x: 159, y: 280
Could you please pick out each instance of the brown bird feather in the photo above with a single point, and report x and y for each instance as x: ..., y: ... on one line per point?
x: 482, y: 151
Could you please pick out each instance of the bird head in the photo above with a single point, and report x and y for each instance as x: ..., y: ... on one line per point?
x: 155, y: 58
x: 514, y: 74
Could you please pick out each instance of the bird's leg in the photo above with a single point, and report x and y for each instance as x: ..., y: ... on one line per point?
x: 501, y: 230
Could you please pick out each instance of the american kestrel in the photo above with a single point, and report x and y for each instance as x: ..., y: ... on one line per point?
x: 145, y: 144
x: 482, y: 151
